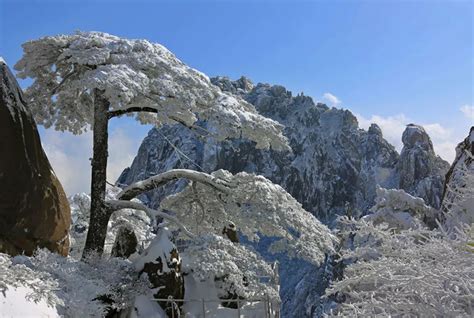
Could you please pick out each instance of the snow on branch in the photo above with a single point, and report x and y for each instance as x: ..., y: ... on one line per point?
x: 135, y: 76
x: 212, y: 256
x: 400, y: 210
x: 115, y: 205
x: 161, y: 179
x: 404, y: 273
x: 71, y: 286
x: 258, y: 208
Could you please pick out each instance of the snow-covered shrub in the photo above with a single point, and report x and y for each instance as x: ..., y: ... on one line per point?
x: 212, y: 257
x: 458, y: 203
x: 413, y: 272
x: 70, y: 285
x: 17, y: 272
x: 160, y: 264
x: 254, y: 205
x: 257, y: 207
x: 210, y: 260
x: 400, y: 210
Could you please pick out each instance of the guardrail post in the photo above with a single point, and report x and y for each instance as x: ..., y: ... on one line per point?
x: 238, y: 308
x: 265, y: 308
x: 203, y: 309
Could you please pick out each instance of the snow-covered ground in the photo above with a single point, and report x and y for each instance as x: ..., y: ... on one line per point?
x: 15, y: 302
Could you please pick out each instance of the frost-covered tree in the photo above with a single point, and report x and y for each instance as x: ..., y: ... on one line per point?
x: 253, y: 205
x: 406, y: 273
x: 401, y: 210
x: 85, y: 79
x: 70, y: 287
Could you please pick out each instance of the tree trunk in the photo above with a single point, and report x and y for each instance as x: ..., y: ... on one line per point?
x: 99, y: 216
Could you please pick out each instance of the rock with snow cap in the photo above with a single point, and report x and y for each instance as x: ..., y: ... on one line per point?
x: 161, y: 263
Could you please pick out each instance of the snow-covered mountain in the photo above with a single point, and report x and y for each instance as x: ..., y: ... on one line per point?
x: 334, y: 169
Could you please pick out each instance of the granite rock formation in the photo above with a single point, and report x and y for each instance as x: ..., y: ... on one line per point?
x: 458, y: 193
x: 34, y: 210
x: 421, y: 171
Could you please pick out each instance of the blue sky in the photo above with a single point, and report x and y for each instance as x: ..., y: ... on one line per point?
x: 392, y: 62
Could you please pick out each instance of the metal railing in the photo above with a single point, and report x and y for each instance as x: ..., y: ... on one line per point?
x: 269, y: 309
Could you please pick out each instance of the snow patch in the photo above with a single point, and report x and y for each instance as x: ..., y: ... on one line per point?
x: 15, y: 302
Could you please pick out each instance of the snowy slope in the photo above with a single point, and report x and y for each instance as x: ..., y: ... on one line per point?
x: 15, y: 303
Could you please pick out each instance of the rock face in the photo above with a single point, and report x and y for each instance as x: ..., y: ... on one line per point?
x: 458, y: 195
x: 421, y: 171
x: 334, y: 169
x: 34, y: 210
x: 334, y: 166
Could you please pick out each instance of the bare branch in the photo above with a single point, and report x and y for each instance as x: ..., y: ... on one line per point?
x: 65, y: 78
x: 161, y: 179
x: 120, y: 112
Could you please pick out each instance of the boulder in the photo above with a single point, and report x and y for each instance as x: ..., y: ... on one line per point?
x: 34, y: 210
x: 126, y: 243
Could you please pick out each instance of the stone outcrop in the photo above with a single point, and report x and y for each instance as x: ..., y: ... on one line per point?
x: 458, y: 192
x: 463, y: 161
x: 126, y: 243
x: 421, y: 171
x: 34, y: 210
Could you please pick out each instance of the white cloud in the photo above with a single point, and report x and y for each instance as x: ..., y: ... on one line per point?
x: 122, y: 149
x: 392, y: 127
x: 444, y: 139
x: 69, y: 156
x: 331, y: 99
x: 468, y: 111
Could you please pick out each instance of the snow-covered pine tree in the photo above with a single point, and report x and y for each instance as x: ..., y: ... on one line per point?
x: 87, y: 78
x: 255, y: 205
x: 252, y: 204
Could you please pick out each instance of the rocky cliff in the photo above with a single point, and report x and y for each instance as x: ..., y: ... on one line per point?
x: 34, y: 211
x: 334, y: 168
x: 420, y: 170
x: 458, y: 196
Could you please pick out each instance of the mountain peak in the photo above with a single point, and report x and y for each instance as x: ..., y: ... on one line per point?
x: 415, y: 135
x: 241, y: 86
x: 374, y: 129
